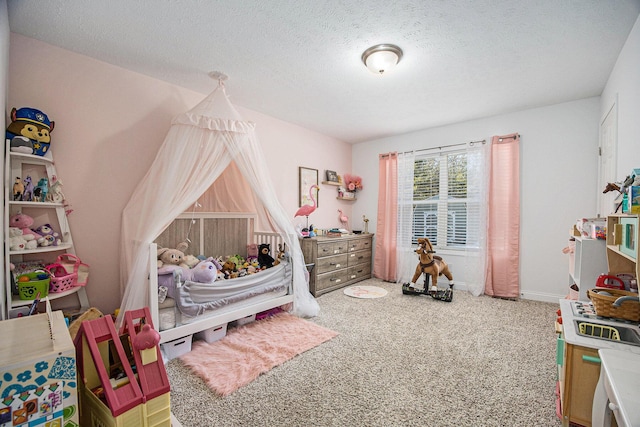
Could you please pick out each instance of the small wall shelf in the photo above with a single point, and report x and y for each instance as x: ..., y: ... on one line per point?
x: 337, y: 184
x: 349, y: 199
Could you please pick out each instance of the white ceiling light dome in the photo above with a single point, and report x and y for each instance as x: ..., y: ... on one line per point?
x: 382, y: 58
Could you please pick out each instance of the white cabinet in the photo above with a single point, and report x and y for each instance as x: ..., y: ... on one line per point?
x: 587, y: 262
x: 18, y: 166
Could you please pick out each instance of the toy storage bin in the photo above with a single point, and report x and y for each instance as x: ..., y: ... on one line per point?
x: 29, y: 290
x: 177, y: 348
x: 247, y: 319
x: 213, y: 334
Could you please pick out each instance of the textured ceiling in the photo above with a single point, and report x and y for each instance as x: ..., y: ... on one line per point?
x: 299, y: 60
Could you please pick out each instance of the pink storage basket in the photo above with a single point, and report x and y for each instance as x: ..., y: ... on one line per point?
x: 67, y: 273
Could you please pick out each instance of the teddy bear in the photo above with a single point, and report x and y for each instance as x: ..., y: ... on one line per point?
x: 51, y: 238
x: 168, y: 256
x: 34, y: 125
x: 19, y: 242
x: 264, y: 258
x: 24, y: 223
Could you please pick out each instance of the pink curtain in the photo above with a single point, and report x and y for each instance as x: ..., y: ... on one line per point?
x: 384, y: 262
x: 503, y: 234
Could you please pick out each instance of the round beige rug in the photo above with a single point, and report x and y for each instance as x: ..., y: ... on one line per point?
x: 365, y: 292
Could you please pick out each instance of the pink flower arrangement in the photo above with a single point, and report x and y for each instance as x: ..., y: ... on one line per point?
x: 352, y: 182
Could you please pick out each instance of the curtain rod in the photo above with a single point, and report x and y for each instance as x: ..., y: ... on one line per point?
x: 481, y: 141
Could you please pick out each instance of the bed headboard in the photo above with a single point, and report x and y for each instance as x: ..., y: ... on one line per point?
x: 210, y: 233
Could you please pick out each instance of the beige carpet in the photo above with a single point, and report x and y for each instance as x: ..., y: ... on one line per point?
x: 399, y: 360
x: 248, y: 351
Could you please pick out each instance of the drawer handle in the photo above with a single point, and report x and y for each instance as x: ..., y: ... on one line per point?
x: 334, y: 264
x: 336, y: 280
x: 591, y: 359
x: 353, y: 276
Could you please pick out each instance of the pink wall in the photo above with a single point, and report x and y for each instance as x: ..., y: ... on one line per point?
x: 109, y: 124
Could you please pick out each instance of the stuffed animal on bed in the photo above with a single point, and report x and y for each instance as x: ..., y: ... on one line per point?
x: 264, y: 258
x: 252, y: 252
x: 205, y: 272
x: 229, y: 270
x: 171, y: 257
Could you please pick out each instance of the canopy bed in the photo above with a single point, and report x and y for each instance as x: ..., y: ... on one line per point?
x: 210, y: 169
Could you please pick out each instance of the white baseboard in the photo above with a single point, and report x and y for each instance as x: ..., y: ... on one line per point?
x: 539, y: 296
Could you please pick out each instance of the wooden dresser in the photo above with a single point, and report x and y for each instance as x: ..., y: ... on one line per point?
x: 338, y: 261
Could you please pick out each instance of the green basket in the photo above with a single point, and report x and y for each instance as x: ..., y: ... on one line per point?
x: 29, y: 290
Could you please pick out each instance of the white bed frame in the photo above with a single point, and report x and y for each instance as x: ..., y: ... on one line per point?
x: 226, y: 314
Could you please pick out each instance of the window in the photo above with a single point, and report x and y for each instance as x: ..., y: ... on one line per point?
x: 441, y: 203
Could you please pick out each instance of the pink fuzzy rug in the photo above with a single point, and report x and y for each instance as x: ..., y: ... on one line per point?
x: 253, y: 349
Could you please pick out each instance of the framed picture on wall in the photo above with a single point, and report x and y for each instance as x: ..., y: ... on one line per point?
x: 332, y: 176
x: 308, y: 177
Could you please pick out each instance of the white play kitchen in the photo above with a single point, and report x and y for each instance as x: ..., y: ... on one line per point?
x: 599, y: 336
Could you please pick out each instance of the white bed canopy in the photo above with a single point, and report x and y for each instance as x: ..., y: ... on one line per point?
x: 200, y: 145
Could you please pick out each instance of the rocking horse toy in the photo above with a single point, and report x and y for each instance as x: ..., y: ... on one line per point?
x: 432, y: 266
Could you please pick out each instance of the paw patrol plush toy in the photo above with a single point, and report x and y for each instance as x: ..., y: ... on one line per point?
x: 30, y: 129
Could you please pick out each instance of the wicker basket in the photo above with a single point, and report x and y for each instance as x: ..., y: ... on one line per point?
x: 603, y: 304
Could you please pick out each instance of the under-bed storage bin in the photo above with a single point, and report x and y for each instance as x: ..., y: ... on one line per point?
x: 244, y: 320
x: 177, y: 348
x: 212, y: 334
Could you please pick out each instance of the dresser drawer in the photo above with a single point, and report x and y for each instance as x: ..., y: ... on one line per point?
x: 331, y: 248
x: 359, y: 245
x: 331, y: 279
x: 359, y: 271
x: 331, y: 263
x: 359, y: 257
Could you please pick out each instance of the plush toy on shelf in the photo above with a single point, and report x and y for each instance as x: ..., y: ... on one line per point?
x: 51, y: 238
x: 41, y: 190
x: 19, y: 242
x: 24, y: 222
x: 18, y: 189
x: 29, y: 125
x: 55, y: 194
x: 27, y: 194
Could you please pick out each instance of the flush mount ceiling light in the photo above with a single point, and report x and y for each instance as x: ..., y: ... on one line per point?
x: 382, y: 58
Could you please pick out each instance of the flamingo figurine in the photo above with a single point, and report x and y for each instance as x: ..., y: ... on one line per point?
x: 343, y: 218
x: 307, y: 210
